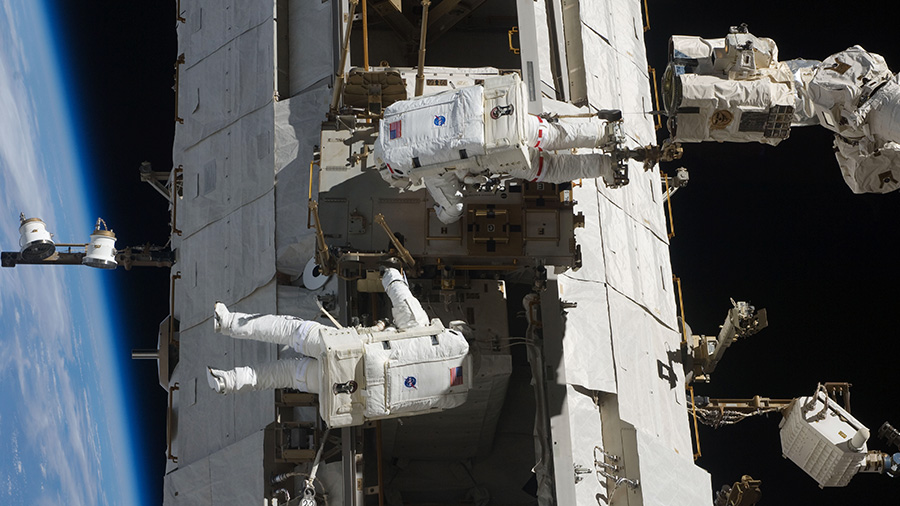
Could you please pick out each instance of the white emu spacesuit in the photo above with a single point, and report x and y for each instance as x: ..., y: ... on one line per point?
x: 466, y: 135
x: 415, y: 367
x: 734, y: 89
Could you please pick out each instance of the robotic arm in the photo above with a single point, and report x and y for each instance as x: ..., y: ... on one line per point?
x: 734, y: 89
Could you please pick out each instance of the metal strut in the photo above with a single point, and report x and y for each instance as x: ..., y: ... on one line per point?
x: 323, y: 255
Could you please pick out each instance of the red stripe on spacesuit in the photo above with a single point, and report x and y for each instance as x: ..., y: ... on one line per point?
x: 540, y: 165
x: 540, y: 133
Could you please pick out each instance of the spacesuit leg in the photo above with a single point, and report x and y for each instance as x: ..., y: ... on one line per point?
x: 564, y: 168
x: 406, y: 308
x: 302, y: 335
x: 301, y: 374
x: 563, y: 134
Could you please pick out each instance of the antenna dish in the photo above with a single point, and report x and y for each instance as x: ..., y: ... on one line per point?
x: 313, y: 279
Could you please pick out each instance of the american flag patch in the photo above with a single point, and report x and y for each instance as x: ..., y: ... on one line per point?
x: 456, y: 376
x: 395, y: 129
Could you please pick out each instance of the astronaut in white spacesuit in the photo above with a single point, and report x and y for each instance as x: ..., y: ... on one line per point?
x: 734, y: 89
x: 413, y: 367
x: 467, y: 135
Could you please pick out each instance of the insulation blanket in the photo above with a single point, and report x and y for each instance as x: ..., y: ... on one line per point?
x: 666, y: 480
x: 649, y: 375
x: 867, y: 168
x: 883, y: 115
x: 835, y: 90
x: 233, y: 475
x: 430, y: 130
x: 587, y: 342
x: 720, y: 105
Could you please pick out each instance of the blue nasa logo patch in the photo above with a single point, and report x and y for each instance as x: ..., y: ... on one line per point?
x: 410, y: 382
x: 439, y: 120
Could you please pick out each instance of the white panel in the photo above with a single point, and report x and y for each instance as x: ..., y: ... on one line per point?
x: 236, y: 472
x: 210, y: 24
x: 637, y: 261
x: 599, y: 58
x: 297, y: 124
x: 233, y: 81
x: 584, y: 416
x: 227, y: 170
x: 587, y: 346
x: 233, y: 475
x: 589, y: 237
x: 533, y: 43
x: 619, y: 245
x: 628, y: 28
x: 645, y: 353
x: 188, y: 486
x: 311, y: 41
x: 636, y: 103
x: 597, y: 15
x: 226, y: 260
x: 543, y: 45
x: 669, y: 478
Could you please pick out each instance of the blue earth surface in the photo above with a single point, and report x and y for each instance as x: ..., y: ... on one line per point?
x: 65, y: 435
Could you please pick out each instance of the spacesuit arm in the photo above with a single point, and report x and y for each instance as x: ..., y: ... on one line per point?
x: 448, y: 199
x: 407, y: 310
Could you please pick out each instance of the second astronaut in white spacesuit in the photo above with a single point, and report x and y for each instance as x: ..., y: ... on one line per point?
x: 413, y: 367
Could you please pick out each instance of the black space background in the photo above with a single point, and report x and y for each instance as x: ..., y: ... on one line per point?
x: 775, y: 226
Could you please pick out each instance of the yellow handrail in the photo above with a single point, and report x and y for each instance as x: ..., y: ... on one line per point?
x: 510, y: 33
x: 646, y: 17
x: 684, y: 336
x: 696, y: 434
x: 657, y: 123
x: 669, y: 204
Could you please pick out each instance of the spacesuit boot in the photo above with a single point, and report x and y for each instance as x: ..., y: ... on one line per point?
x: 301, y: 374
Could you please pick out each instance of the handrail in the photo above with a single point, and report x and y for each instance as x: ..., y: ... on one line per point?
x: 684, y: 336
x: 669, y: 204
x: 339, y: 77
x: 646, y: 16
x: 178, y: 171
x: 365, y: 27
x: 169, y: 455
x: 308, y: 209
x: 697, y: 454
x: 657, y: 123
x: 513, y: 49
x: 175, y: 276
x: 420, y: 73
x: 178, y: 63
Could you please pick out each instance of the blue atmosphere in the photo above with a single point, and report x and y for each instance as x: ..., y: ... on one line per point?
x: 64, y: 428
